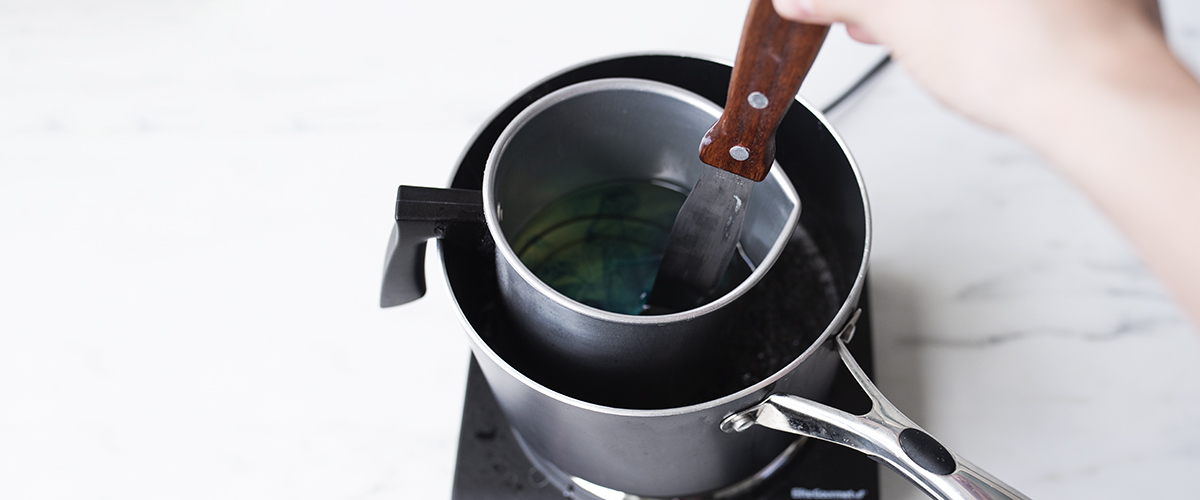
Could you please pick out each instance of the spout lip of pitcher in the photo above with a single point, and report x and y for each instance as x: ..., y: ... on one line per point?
x: 505, y: 250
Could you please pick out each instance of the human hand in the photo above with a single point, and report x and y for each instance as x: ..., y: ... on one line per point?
x: 1090, y: 84
x: 1001, y: 61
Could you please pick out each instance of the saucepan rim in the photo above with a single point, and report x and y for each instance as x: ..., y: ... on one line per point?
x: 845, y: 311
x: 619, y: 84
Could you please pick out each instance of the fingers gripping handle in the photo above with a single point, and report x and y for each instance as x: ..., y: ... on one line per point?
x: 423, y: 213
x: 774, y: 56
x: 884, y: 433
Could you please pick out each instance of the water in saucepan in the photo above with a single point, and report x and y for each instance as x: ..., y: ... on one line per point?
x: 601, y: 245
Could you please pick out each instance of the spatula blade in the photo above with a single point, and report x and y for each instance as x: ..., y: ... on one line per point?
x: 773, y: 57
x: 702, y: 240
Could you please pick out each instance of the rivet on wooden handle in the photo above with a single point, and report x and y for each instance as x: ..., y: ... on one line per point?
x: 772, y: 60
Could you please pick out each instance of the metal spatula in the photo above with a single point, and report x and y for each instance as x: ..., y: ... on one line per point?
x: 772, y: 60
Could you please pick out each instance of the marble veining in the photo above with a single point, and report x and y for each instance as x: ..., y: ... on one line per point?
x: 1013, y: 321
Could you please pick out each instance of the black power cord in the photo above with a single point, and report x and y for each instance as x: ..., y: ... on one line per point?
x: 874, y: 71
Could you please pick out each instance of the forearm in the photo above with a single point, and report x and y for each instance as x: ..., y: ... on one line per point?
x: 1130, y: 138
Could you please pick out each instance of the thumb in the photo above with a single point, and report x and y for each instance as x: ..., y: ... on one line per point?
x: 816, y: 11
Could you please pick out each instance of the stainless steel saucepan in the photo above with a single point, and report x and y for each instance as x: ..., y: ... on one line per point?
x: 720, y: 434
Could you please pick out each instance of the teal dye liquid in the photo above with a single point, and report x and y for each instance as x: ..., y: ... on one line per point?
x: 601, y: 245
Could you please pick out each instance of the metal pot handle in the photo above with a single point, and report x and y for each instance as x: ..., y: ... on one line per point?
x: 883, y: 433
x: 423, y: 213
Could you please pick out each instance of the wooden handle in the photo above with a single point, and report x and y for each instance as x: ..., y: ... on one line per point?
x: 772, y: 60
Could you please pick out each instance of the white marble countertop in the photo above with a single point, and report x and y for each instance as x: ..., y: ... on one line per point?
x: 195, y: 198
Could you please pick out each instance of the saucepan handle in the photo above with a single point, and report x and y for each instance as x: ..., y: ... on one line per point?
x: 423, y: 213
x: 884, y: 434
